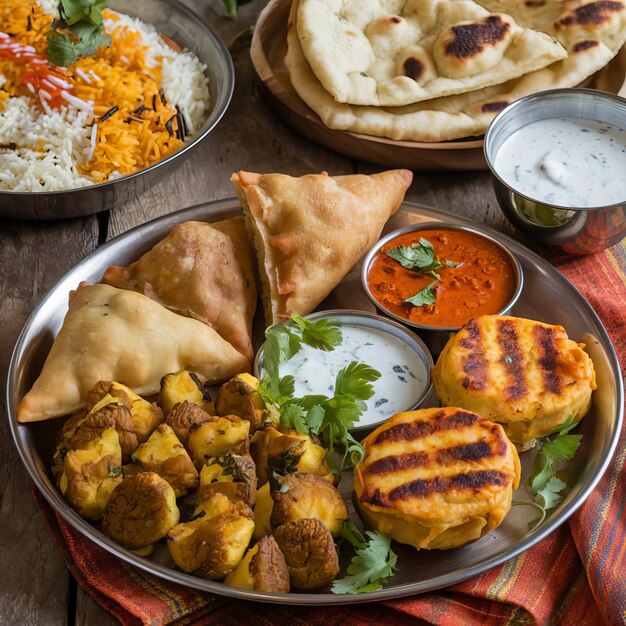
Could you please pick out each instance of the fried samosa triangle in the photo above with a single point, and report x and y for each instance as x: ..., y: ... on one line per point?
x: 121, y: 335
x: 200, y: 270
x: 310, y: 231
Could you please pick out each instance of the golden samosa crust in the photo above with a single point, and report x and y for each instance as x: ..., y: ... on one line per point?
x: 310, y: 231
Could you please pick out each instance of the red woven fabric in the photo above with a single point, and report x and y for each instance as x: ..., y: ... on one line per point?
x: 575, y: 576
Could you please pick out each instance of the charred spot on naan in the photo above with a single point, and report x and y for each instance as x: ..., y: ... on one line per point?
x: 469, y: 48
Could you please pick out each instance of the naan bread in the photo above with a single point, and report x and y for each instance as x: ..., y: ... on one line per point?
x: 310, y: 231
x: 203, y: 271
x: 121, y: 335
x: 398, y: 52
x: 448, y: 118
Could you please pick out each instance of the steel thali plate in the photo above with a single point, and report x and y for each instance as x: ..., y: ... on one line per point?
x: 547, y: 296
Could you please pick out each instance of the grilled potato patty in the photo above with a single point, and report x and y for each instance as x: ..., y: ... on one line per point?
x: 527, y: 375
x: 436, y: 478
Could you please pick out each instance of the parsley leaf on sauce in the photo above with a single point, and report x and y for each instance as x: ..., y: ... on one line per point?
x: 426, y: 296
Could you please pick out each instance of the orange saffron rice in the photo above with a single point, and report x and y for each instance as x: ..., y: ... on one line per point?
x: 106, y: 116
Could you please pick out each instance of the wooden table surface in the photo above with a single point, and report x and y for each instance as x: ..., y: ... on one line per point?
x: 35, y: 585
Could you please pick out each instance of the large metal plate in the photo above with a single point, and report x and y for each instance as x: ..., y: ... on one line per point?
x: 547, y: 296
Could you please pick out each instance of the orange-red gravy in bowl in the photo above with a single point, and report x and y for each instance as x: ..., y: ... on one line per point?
x: 480, y: 279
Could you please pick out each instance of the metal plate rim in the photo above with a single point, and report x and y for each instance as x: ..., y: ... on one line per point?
x: 212, y: 210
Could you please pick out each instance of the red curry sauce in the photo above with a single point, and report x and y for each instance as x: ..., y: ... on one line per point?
x: 483, y: 282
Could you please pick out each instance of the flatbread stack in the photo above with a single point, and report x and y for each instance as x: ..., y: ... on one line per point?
x: 437, y: 70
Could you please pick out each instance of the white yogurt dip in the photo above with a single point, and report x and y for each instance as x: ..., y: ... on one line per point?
x: 568, y: 162
x: 403, y: 374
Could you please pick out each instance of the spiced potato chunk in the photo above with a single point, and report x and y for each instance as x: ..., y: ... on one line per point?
x: 184, y: 418
x: 232, y: 475
x: 144, y: 415
x: 213, y: 543
x: 240, y: 396
x: 91, y: 473
x: 310, y: 553
x: 165, y: 455
x: 299, y: 496
x: 217, y: 437
x: 184, y: 386
x: 263, y: 568
x: 141, y: 510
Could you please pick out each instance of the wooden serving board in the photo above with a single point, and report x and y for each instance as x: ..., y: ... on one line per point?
x: 268, y: 49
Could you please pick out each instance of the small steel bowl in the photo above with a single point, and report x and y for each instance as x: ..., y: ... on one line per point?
x: 436, y: 337
x: 371, y: 320
x: 183, y: 26
x: 574, y: 230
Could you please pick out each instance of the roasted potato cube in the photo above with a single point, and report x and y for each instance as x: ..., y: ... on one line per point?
x: 165, y: 455
x: 310, y: 553
x: 263, y: 568
x: 181, y: 386
x: 83, y: 428
x: 240, y: 396
x: 141, y: 510
x: 232, y: 474
x: 212, y: 544
x: 184, y: 418
x: 263, y: 512
x: 145, y: 416
x: 302, y: 496
x: 91, y: 473
x: 217, y: 437
x: 289, y: 451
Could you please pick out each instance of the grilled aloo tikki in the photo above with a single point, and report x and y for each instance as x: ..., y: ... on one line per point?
x: 526, y: 375
x: 436, y: 478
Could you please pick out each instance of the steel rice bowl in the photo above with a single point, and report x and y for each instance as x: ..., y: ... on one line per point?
x: 183, y: 26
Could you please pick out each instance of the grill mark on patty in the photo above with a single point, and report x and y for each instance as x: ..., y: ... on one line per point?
x: 409, y: 431
x: 465, y: 452
x: 475, y: 364
x: 398, y: 463
x: 512, y: 360
x: 545, y: 339
x: 423, y: 488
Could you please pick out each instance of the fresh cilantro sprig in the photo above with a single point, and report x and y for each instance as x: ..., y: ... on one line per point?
x: 330, y: 418
x: 426, y: 296
x: 420, y: 256
x: 543, y: 484
x: 373, y: 564
x: 79, y: 33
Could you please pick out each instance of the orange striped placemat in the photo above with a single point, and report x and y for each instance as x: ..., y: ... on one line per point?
x: 575, y: 576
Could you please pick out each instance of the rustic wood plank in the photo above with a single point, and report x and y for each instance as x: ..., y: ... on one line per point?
x: 34, y: 580
x: 89, y: 612
x: 248, y: 137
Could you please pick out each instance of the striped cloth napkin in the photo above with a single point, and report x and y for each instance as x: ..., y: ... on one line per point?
x: 575, y: 576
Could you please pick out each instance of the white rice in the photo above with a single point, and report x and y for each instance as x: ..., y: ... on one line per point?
x: 50, y: 6
x: 66, y: 133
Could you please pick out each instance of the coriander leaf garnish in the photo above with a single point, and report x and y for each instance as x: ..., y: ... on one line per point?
x: 79, y: 33
x: 323, y: 334
x: 426, y: 296
x: 373, y: 564
x: 328, y: 417
x: 543, y: 484
x: 420, y: 257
